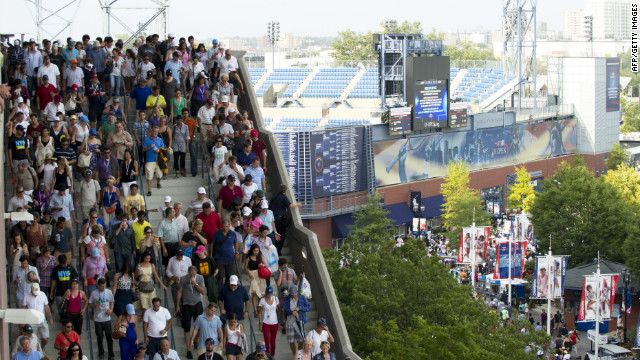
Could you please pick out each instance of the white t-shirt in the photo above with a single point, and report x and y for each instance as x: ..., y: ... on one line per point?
x: 117, y: 67
x: 248, y: 190
x: 35, y: 302
x: 218, y: 155
x: 227, y: 66
x: 227, y: 170
x: 51, y: 71
x: 73, y: 77
x: 317, y: 340
x: 156, y: 320
x: 206, y: 115
x: 269, y: 315
x: 144, y: 68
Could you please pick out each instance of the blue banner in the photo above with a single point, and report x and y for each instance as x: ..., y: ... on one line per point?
x: 502, y: 270
x: 636, y: 342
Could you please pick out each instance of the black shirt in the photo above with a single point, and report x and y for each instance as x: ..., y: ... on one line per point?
x: 63, y: 276
x: 206, y: 267
x: 18, y: 147
x: 279, y: 204
x: 215, y: 357
x: 58, y: 60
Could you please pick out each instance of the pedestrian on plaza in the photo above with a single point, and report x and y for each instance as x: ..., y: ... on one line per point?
x: 102, y: 302
x: 157, y: 321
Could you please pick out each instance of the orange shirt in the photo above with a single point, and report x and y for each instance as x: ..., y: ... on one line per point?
x: 192, y: 126
x: 61, y: 340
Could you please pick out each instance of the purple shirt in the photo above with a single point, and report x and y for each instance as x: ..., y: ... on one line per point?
x: 154, y: 121
x: 92, y: 268
x: 200, y: 93
x: 104, y: 168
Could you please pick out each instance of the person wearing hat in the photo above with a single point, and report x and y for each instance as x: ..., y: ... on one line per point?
x: 51, y: 70
x: 226, y: 197
x: 128, y: 344
x: 319, y: 334
x: 259, y: 148
x: 65, y: 151
x: 169, y: 83
x: 45, y: 93
x: 225, y: 105
x: 61, y: 204
x: 196, y: 205
x: 295, y: 307
x: 96, y: 95
x: 73, y: 100
x: 177, y: 267
x: 27, y: 331
x: 268, y: 319
x: 175, y: 65
x: 18, y: 153
x: 53, y: 108
x: 73, y: 75
x: 37, y: 300
x: 260, y: 353
x: 234, y: 299
x: 102, y: 302
x: 70, y: 53
x: 16, y: 55
x: 95, y: 266
x: 146, y: 66
x: 21, y: 113
x: 211, y: 350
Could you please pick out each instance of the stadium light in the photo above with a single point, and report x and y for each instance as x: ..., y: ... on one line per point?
x: 273, y: 34
x: 588, y: 31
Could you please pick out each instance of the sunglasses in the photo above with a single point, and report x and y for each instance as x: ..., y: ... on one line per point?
x: 20, y: 192
x: 148, y: 232
x: 74, y: 350
x: 68, y: 327
x: 94, y: 217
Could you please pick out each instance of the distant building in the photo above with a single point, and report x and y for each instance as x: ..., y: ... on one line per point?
x: 611, y: 18
x: 573, y: 26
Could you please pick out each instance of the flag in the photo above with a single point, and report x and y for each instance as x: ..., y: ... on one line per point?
x: 628, y: 300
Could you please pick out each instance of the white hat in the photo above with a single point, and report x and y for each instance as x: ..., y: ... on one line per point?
x: 246, y: 211
x: 224, y: 98
x: 167, y: 198
x: 232, y: 110
x: 35, y: 289
x: 233, y: 280
x: 16, y: 42
x: 174, y: 44
x: 20, y: 99
x: 171, y: 36
x: 32, y: 40
x: 264, y: 204
x: 201, y: 190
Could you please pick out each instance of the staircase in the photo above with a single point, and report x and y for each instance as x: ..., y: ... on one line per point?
x: 352, y: 83
x: 305, y: 82
x: 262, y: 79
x: 455, y: 81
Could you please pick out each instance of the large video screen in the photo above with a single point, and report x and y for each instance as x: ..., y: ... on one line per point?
x: 431, y: 104
x: 400, y: 121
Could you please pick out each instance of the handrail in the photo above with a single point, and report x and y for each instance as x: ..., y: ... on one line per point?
x: 140, y: 183
x: 210, y: 185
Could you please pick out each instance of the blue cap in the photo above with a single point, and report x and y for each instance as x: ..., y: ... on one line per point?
x: 93, y: 132
x: 269, y: 290
x: 214, y: 41
x: 261, y: 348
x: 95, y: 252
x: 84, y: 118
x: 130, y: 309
x: 180, y: 251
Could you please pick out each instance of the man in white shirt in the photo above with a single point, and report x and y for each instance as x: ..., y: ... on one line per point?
x: 181, y: 220
x: 37, y: 300
x: 33, y: 59
x: 167, y: 352
x: 226, y: 64
x: 195, y: 207
x: 178, y: 267
x: 156, y: 323
x: 51, y: 70
x: 19, y: 200
x: 204, y: 119
x: 232, y: 168
x: 53, y: 108
x: 73, y: 76
x: 61, y: 205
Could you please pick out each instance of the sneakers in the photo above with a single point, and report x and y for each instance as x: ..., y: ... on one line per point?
x: 189, y: 356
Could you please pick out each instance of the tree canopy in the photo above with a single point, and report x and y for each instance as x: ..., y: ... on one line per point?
x: 521, y: 193
x: 617, y: 156
x: 626, y: 180
x: 398, y: 302
x: 583, y: 215
x: 461, y: 202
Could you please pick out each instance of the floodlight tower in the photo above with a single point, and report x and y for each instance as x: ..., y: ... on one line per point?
x: 52, y: 19
x: 273, y: 34
x: 519, y: 36
x: 158, y: 8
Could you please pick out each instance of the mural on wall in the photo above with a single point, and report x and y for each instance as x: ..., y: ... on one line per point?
x: 422, y: 157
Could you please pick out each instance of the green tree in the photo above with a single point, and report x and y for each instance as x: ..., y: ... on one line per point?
x: 626, y: 180
x: 630, y: 115
x: 461, y: 202
x: 583, y: 215
x: 372, y: 231
x: 617, y: 156
x: 468, y: 51
x: 398, y: 299
x: 521, y: 193
x: 352, y: 45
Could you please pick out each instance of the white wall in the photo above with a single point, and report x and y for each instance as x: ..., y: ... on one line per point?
x: 584, y: 85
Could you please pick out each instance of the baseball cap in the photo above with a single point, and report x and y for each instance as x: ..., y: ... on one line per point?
x: 209, y: 340
x: 175, y: 53
x: 264, y: 204
x: 232, y: 110
x: 20, y: 99
x: 96, y: 44
x: 142, y: 345
x: 45, y: 77
x: 214, y: 41
x: 231, y: 177
x: 87, y: 174
x: 169, y: 72
x: 116, y: 99
x: 84, y: 118
x: 95, y: 252
x: 246, y: 211
x: 210, y: 101
x: 254, y: 132
x: 74, y: 86
x: 322, y: 322
x: 261, y: 347
x: 149, y: 74
x: 73, y: 61
x: 200, y: 249
x: 73, y: 117
x: 16, y: 42
x: 27, y: 329
x: 201, y: 190
x: 293, y: 290
x: 35, y: 288
x: 167, y: 198
x: 224, y: 98
x: 233, y: 280
x: 180, y: 251
x: 19, y: 127
x: 57, y: 98
x: 93, y: 131
x: 131, y: 310
x: 269, y: 290
x: 170, y: 35
x: 260, y: 193
x: 94, y: 76
x: 32, y: 40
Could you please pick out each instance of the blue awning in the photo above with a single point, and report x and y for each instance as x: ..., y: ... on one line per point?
x: 341, y: 223
x: 400, y: 213
x: 432, y: 206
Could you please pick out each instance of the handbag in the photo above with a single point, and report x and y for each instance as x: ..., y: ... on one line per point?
x: 84, y: 160
x: 70, y: 105
x: 120, y: 333
x: 264, y: 272
x: 134, y: 295
x: 146, y: 286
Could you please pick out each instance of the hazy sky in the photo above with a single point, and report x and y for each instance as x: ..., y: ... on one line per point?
x: 205, y: 19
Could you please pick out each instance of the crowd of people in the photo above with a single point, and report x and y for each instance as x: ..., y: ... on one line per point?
x: 77, y: 165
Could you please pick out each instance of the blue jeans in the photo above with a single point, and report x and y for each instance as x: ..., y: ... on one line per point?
x: 32, y: 84
x: 116, y: 83
x: 193, y: 153
x: 121, y: 259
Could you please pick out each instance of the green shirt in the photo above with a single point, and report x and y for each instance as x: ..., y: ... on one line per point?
x: 107, y: 128
x: 177, y: 107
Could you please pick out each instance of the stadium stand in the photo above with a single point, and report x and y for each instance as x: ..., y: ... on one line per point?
x: 329, y: 83
x: 335, y: 123
x: 297, y: 124
x: 367, y: 86
x: 292, y: 77
x: 478, y: 84
x: 256, y: 74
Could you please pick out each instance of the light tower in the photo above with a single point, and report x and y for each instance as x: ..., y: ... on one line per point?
x: 273, y: 34
x: 159, y: 8
x: 519, y: 36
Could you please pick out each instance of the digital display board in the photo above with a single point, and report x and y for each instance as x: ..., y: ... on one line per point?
x: 338, y: 165
x: 288, y: 144
x: 458, y: 117
x: 613, y: 84
x: 431, y: 104
x: 399, y: 121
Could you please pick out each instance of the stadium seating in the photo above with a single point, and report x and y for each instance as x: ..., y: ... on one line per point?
x: 292, y: 77
x: 336, y: 123
x: 329, y: 83
x: 256, y: 73
x: 296, y: 124
x: 367, y: 86
x: 478, y: 84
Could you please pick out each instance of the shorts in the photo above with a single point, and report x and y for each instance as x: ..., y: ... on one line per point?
x: 151, y: 169
x: 292, y: 336
x: 233, y: 350
x: 189, y: 312
x: 41, y: 329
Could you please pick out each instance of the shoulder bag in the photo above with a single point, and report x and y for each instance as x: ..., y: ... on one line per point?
x: 83, y: 159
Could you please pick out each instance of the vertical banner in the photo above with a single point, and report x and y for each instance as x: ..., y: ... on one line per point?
x: 415, y: 202
x: 483, y: 243
x: 636, y: 342
x: 602, y: 302
x: 549, y: 271
x: 466, y: 244
x: 503, y: 262
x: 613, y: 84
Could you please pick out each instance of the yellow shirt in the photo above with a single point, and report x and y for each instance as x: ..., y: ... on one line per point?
x: 151, y: 101
x: 130, y: 201
x: 138, y: 231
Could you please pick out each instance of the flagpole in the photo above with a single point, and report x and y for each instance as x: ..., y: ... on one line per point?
x: 598, y: 308
x: 549, y: 279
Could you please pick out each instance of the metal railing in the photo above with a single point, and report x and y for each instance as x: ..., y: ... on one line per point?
x: 332, y: 205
